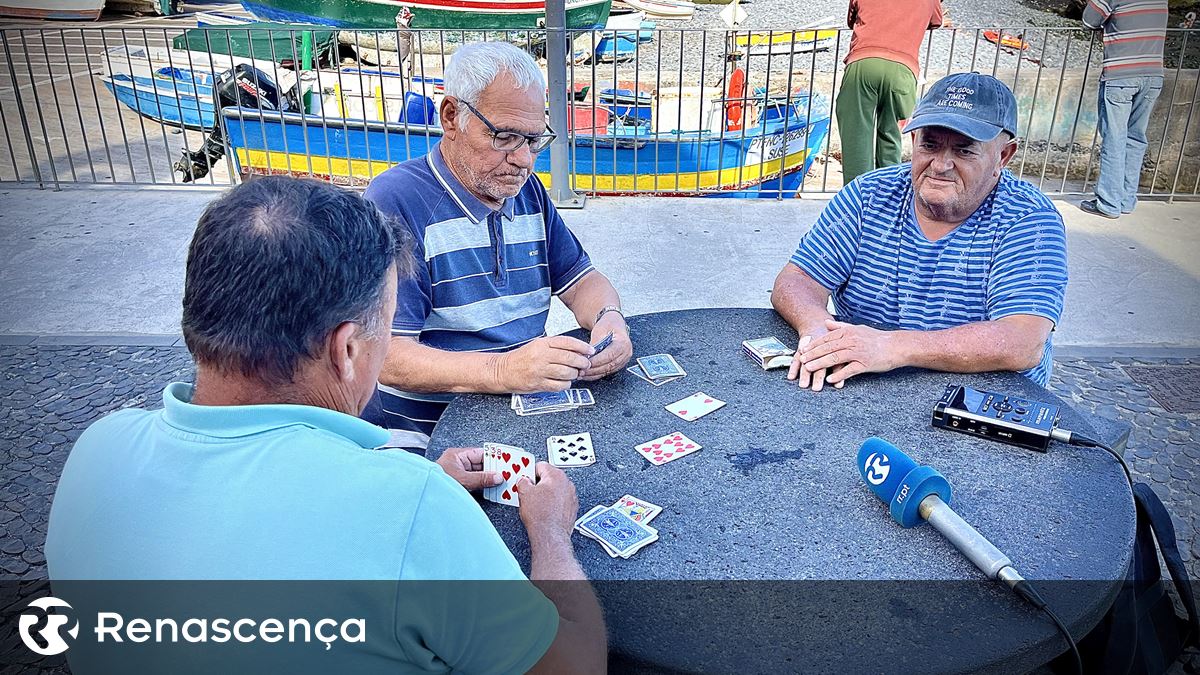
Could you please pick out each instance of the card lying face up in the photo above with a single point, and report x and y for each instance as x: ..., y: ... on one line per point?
x: 668, y: 448
x: 695, y: 406
x: 571, y: 450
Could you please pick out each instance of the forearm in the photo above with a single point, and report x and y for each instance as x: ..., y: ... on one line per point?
x: 557, y: 574
x: 588, y: 296
x: 800, y: 300
x: 971, y: 348
x: 412, y: 366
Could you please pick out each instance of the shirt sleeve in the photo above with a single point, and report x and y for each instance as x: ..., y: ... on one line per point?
x: 414, y: 296
x: 827, y: 252
x: 484, y: 615
x: 567, y: 260
x: 938, y: 17
x: 1096, y: 13
x: 1029, y: 268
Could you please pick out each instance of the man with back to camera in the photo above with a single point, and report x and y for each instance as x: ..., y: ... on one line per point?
x: 494, y: 251
x: 967, y: 260
x: 263, y: 471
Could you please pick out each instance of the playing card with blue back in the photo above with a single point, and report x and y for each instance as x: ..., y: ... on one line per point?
x: 617, y: 530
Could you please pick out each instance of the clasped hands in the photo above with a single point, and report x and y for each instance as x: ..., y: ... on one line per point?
x: 839, y: 351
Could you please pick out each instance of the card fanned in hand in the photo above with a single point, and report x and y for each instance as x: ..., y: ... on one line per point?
x: 513, y: 464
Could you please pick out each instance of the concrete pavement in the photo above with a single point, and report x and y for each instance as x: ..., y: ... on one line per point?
x: 91, y: 262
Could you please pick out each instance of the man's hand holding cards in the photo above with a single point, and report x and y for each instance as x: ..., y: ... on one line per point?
x: 611, y: 349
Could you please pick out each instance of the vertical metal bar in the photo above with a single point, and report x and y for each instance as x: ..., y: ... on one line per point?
x: 808, y: 113
x: 12, y: 150
x: 556, y: 75
x: 996, y: 61
x: 679, y: 119
x: 730, y: 43
x: 637, y: 97
x: 1087, y: 174
x: 616, y: 85
x: 656, y: 125
x: 117, y: 107
x: 387, y: 121
x: 975, y: 48
x: 162, y: 127
x: 62, y: 36
x: 950, y: 57
x: 1075, y: 125
x: 789, y: 109
x: 112, y: 171
x: 700, y: 125
x: 362, y: 94
x: 1062, y: 74
x: 138, y: 105
x: 837, y: 51
x: 58, y: 107
x: 33, y: 160
x: 1037, y: 82
x: 1187, y: 126
x: 298, y: 67
x: 1167, y: 122
x: 41, y: 119
x: 328, y: 175
x: 929, y: 34
x: 187, y: 147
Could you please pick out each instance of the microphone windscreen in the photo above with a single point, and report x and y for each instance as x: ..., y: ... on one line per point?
x: 883, y: 467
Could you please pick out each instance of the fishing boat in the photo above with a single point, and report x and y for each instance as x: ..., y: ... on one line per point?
x: 1006, y: 40
x: 776, y: 43
x: 455, y: 14
x: 68, y: 10
x: 664, y: 9
x: 768, y: 157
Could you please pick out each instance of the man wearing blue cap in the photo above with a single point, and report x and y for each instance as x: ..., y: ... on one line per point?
x: 966, y: 260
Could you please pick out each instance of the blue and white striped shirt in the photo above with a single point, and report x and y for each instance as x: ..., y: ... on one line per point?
x: 1009, y: 257
x: 487, y: 279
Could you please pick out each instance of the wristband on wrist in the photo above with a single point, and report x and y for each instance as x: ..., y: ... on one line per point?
x: 605, y: 310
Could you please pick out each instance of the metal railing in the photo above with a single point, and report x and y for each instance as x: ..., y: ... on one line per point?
x: 672, y: 112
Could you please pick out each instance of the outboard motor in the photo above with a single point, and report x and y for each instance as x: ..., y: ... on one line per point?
x: 243, y: 86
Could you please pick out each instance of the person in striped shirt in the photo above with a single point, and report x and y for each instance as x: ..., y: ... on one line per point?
x: 494, y: 251
x: 1134, y: 35
x: 967, y: 262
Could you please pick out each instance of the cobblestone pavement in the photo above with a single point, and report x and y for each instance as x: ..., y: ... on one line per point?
x: 49, y: 394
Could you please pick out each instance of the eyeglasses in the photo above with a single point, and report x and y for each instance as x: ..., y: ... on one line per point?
x: 511, y: 141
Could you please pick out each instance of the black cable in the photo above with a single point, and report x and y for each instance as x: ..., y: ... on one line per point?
x: 1080, y: 440
x: 1026, y: 591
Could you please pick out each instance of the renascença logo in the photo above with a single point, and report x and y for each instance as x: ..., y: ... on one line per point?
x: 55, y: 644
x: 877, y: 468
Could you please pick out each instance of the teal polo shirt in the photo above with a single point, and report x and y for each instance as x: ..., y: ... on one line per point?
x: 292, y: 492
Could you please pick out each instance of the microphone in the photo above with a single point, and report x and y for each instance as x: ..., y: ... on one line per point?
x: 914, y: 493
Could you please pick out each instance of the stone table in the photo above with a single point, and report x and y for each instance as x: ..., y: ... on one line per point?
x: 774, y: 555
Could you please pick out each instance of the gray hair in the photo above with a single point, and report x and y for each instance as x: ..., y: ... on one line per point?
x: 474, y: 66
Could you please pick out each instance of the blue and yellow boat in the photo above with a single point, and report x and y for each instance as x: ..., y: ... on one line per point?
x: 767, y: 158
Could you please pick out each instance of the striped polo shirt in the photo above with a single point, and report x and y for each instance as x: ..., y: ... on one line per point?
x: 487, y: 279
x: 1009, y: 257
x: 1135, y: 32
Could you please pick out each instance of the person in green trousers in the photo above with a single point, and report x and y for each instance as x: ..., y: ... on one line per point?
x: 880, y: 85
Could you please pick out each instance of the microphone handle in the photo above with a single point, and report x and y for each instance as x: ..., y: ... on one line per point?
x: 989, y: 559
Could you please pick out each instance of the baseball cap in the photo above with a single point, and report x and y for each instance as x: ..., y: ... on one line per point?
x: 977, y: 106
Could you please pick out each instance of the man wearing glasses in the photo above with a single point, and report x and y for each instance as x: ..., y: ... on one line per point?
x: 495, y: 251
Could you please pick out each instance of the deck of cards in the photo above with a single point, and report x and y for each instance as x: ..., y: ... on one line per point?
x: 658, y: 369
x: 695, y: 406
x: 551, y: 401
x: 513, y: 464
x: 768, y: 352
x: 620, y: 534
x: 571, y: 450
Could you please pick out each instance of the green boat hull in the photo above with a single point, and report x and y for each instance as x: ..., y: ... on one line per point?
x: 362, y: 14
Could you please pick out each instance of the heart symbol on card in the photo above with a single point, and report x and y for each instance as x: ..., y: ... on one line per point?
x: 628, y: 503
x: 505, y: 474
x: 658, y: 452
x: 657, y: 445
x: 506, y: 495
x: 507, y: 456
x: 708, y: 400
x: 689, y: 446
x: 524, y: 461
x: 516, y: 467
x: 681, y: 413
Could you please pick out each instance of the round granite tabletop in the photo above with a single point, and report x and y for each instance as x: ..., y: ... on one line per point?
x: 773, y: 554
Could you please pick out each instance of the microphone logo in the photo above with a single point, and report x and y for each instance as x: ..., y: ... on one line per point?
x: 51, y: 632
x: 877, y: 468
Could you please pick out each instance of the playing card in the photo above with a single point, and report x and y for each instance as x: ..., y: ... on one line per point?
x: 637, y: 370
x: 695, y: 406
x: 540, y: 401
x: 582, y: 396
x: 571, y: 450
x: 618, y: 531
x: 668, y: 448
x: 589, y: 535
x: 659, y: 366
x: 602, y: 344
x: 513, y: 464
x: 639, y: 510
